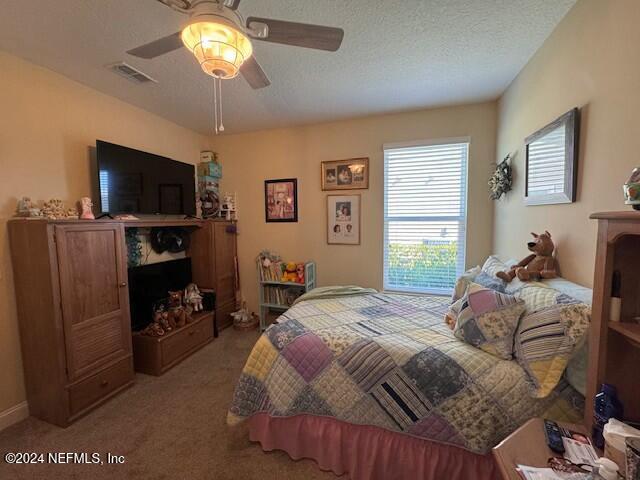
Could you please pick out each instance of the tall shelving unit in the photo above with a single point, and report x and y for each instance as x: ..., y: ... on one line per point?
x: 268, y: 287
x: 614, y: 347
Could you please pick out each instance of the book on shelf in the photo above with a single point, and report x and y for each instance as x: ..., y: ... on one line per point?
x: 277, y: 295
x: 271, y: 273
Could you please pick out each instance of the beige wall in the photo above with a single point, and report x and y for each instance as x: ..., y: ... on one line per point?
x: 249, y: 159
x: 590, y: 61
x: 47, y: 124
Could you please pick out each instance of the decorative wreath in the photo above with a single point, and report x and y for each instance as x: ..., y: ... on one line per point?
x: 501, y: 181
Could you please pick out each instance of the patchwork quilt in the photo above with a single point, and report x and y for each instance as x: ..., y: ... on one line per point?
x: 390, y: 361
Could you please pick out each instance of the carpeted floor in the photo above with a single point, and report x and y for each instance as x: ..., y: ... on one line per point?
x: 169, y: 427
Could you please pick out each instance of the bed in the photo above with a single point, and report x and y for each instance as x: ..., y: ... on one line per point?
x: 377, y: 386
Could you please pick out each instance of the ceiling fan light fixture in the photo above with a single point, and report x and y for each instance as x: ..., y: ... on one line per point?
x: 220, y: 48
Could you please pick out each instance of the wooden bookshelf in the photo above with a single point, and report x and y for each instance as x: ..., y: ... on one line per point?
x: 631, y: 331
x: 614, y: 347
x: 274, y: 293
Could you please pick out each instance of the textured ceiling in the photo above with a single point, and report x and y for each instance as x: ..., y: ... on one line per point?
x: 397, y: 55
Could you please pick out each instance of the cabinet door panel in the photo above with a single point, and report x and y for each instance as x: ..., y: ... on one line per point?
x: 94, y: 294
x: 225, y: 254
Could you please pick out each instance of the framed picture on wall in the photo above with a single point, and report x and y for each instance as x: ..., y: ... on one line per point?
x: 281, y: 200
x: 343, y: 219
x: 352, y: 174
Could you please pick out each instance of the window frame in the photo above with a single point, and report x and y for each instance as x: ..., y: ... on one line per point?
x: 462, y: 234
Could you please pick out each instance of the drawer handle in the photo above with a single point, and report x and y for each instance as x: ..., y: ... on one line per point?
x: 104, y: 383
x: 123, y: 284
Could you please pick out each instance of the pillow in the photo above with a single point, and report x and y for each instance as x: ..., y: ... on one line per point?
x: 493, y: 265
x: 491, y: 282
x: 487, y: 320
x: 538, y: 296
x: 546, y: 340
x: 463, y: 282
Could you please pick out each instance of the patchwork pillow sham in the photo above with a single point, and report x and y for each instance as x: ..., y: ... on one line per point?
x: 546, y: 340
x: 487, y: 319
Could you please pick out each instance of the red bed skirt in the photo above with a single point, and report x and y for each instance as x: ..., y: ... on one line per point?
x: 366, y: 452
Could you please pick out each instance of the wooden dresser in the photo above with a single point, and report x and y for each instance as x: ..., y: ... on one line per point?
x: 73, y: 308
x: 614, y: 347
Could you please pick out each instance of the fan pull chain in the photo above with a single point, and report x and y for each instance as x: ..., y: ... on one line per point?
x: 217, y: 106
x: 220, y: 103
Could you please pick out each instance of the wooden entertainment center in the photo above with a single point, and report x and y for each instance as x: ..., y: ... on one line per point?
x: 73, y: 307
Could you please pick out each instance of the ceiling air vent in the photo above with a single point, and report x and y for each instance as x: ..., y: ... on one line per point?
x: 130, y: 73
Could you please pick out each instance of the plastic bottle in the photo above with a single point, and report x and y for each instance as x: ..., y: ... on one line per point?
x: 606, y: 406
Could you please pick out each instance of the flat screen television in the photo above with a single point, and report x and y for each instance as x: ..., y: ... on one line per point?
x: 135, y: 182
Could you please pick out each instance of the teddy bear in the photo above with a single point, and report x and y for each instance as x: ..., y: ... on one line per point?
x: 290, y: 274
x: 540, y: 264
x: 178, y: 315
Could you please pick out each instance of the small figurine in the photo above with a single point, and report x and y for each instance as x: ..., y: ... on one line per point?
x: 632, y: 190
x: 192, y: 297
x: 24, y: 205
x: 300, y: 273
x: 26, y: 208
x: 54, y: 209
x: 228, y: 208
x: 85, y: 209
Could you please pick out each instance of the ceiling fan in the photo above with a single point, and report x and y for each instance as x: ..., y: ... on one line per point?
x: 221, y: 41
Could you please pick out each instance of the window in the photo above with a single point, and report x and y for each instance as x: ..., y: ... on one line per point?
x: 425, y: 209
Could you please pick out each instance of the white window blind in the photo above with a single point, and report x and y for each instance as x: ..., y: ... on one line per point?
x: 425, y: 203
x: 546, y: 169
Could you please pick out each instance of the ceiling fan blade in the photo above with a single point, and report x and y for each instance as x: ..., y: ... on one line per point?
x: 158, y: 47
x: 253, y: 73
x: 298, y: 34
x: 232, y: 4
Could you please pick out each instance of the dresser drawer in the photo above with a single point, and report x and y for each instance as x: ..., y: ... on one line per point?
x: 91, y: 390
x: 186, y: 339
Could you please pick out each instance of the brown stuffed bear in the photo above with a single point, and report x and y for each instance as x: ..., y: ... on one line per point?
x: 178, y: 315
x: 540, y: 264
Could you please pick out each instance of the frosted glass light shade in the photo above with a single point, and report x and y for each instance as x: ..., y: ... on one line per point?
x: 220, y: 49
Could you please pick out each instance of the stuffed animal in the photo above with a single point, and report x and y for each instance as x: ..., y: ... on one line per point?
x: 192, y: 297
x: 154, y: 329
x: 540, y: 264
x: 162, y: 318
x: 177, y: 313
x: 300, y: 273
x: 290, y: 274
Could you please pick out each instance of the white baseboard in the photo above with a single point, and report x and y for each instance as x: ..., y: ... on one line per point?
x: 13, y: 415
